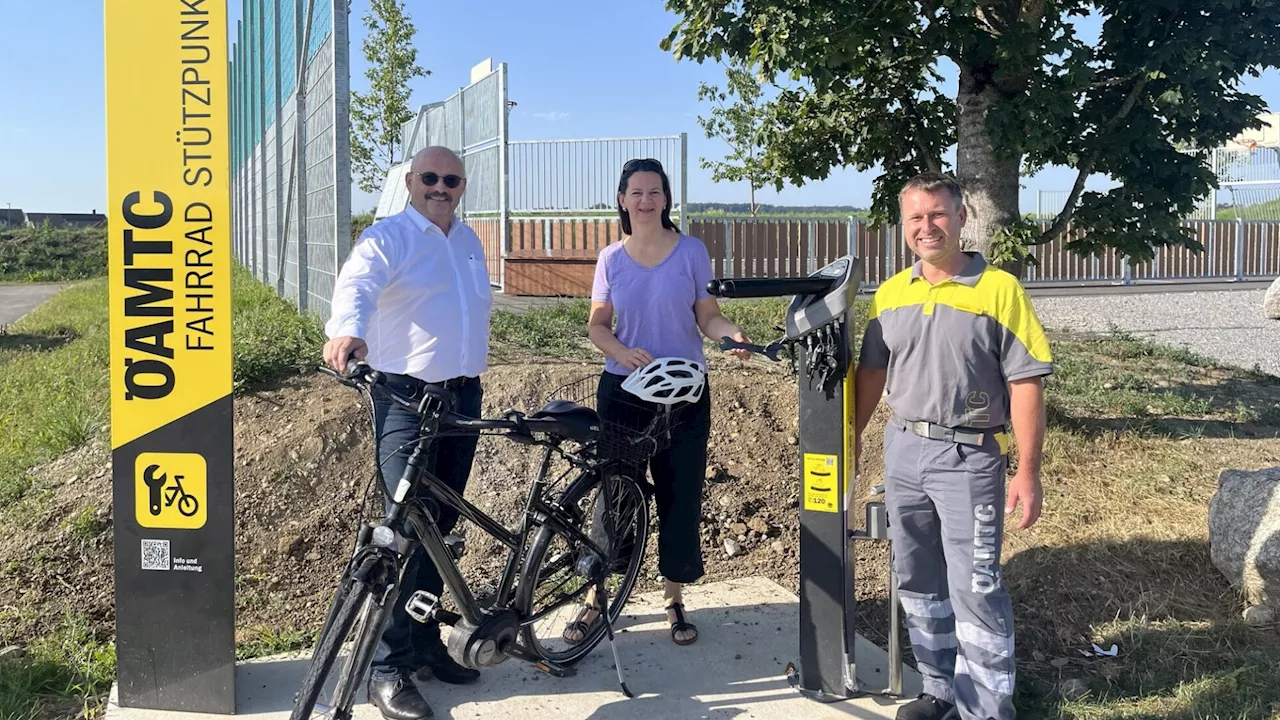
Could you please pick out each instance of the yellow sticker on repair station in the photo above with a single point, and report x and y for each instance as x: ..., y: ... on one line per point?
x: 821, y: 483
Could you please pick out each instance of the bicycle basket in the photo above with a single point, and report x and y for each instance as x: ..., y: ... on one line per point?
x: 631, y: 430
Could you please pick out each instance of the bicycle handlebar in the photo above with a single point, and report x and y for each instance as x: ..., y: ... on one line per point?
x: 360, y: 375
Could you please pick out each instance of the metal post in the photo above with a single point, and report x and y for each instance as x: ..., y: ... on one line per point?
x: 341, y: 135
x: 281, y: 200
x: 684, y: 176
x: 504, y: 181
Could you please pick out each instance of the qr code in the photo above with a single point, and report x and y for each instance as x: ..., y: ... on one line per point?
x: 155, y: 554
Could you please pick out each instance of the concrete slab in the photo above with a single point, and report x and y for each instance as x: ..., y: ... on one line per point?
x: 747, y: 635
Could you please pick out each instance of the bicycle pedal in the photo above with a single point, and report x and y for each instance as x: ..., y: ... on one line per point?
x: 421, y: 606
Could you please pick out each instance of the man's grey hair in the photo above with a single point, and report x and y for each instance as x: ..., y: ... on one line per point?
x: 932, y: 182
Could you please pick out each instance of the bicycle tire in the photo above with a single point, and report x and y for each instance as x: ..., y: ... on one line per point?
x: 529, y: 575
x: 350, y: 603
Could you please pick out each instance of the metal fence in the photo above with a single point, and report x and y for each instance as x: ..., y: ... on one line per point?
x: 573, y: 176
x: 291, y: 176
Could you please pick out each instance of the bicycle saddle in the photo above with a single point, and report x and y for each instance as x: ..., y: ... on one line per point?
x: 569, y: 420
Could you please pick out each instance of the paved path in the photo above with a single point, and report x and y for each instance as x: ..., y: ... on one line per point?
x: 735, y: 670
x: 18, y: 300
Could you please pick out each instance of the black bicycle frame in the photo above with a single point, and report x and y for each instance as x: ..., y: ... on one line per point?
x: 541, y: 512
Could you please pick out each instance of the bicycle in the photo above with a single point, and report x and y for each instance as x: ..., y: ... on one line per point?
x: 485, y: 633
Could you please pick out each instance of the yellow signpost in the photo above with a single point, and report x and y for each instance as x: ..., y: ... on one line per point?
x: 171, y: 410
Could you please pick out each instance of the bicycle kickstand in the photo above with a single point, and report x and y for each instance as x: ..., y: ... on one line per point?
x: 608, y: 627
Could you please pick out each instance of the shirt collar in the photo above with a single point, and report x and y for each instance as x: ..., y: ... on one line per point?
x: 421, y: 222
x: 968, y: 276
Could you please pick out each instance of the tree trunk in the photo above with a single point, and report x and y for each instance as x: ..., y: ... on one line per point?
x: 753, y: 201
x: 990, y: 182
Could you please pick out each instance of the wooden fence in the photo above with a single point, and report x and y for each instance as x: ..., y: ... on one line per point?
x: 556, y: 256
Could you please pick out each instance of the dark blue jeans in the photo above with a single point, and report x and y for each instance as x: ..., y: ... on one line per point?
x: 405, y: 641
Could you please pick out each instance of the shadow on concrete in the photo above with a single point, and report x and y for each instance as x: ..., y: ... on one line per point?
x: 736, y: 669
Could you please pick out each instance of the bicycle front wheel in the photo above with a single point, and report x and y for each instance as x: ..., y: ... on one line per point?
x: 560, y: 573
x: 355, y: 615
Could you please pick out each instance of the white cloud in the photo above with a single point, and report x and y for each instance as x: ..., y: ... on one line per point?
x: 551, y: 116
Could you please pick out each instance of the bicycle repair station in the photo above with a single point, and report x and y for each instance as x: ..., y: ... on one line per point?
x: 765, y: 653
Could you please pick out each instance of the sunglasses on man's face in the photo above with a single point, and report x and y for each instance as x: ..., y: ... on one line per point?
x: 430, y: 178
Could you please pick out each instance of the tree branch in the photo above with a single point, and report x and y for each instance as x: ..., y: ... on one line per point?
x: 1086, y: 168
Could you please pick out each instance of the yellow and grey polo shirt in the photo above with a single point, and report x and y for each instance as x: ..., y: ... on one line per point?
x: 951, y: 348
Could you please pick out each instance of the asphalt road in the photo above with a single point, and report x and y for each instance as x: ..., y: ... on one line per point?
x: 18, y: 300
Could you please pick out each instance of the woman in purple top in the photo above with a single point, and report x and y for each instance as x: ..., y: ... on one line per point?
x: 655, y: 282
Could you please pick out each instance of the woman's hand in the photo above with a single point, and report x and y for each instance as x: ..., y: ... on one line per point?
x: 633, y: 358
x: 739, y: 352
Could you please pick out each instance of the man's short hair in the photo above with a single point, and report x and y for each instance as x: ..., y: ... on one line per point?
x: 932, y: 182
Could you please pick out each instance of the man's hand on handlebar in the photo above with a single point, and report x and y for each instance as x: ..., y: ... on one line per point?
x: 339, y: 351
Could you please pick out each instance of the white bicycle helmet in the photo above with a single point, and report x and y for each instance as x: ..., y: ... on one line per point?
x: 667, y: 381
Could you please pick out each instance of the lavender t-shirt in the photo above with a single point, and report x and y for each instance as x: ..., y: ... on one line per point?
x: 654, y: 306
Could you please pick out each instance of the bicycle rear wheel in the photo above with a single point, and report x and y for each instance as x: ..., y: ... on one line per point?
x: 355, y: 615
x: 559, y: 570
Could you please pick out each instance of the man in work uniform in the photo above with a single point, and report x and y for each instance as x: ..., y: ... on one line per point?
x: 963, y: 354
x: 413, y: 300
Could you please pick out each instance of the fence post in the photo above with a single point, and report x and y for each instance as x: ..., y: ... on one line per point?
x: 889, y: 235
x: 684, y: 178
x: 728, y: 248
x: 1239, y: 249
x: 1126, y: 271
x: 504, y: 182
x: 812, y: 265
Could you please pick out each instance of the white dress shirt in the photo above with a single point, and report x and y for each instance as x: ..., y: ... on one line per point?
x: 418, y: 298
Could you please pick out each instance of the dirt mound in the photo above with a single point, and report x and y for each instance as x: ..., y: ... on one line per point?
x: 303, y: 469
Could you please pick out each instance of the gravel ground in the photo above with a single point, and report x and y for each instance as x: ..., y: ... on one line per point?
x: 1224, y: 324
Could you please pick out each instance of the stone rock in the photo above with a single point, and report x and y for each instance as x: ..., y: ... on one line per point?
x: 1259, y: 615
x: 758, y: 524
x: 1244, y: 533
x: 1271, y: 301
x: 1073, y: 688
x: 732, y: 548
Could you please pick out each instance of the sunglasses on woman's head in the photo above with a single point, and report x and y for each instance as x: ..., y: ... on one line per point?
x: 430, y: 178
x: 644, y: 164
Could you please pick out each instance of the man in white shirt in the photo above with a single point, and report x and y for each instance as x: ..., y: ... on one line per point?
x: 413, y: 301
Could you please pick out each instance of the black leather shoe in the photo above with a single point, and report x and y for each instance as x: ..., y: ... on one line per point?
x: 928, y: 707
x: 399, y: 700
x: 437, y: 663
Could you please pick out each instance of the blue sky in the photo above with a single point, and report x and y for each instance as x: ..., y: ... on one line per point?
x: 577, y: 69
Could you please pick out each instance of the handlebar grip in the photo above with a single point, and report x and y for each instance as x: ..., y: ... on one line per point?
x: 769, y: 287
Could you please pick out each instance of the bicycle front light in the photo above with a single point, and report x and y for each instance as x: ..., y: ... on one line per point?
x: 383, y: 536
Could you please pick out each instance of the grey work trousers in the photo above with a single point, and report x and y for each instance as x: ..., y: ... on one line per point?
x: 946, y: 521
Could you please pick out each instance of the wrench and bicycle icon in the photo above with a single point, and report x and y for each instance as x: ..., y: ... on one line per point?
x: 187, y: 503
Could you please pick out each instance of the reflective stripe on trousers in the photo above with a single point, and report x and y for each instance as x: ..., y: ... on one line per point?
x: 946, y: 520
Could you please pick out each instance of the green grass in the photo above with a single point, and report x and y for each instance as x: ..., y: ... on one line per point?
x: 54, y: 394
x: 65, y: 674
x: 270, y: 339
x: 54, y: 398
x: 42, y: 254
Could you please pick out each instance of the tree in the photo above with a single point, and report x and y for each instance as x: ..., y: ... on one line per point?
x: 741, y: 126
x: 377, y: 116
x: 1030, y: 93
